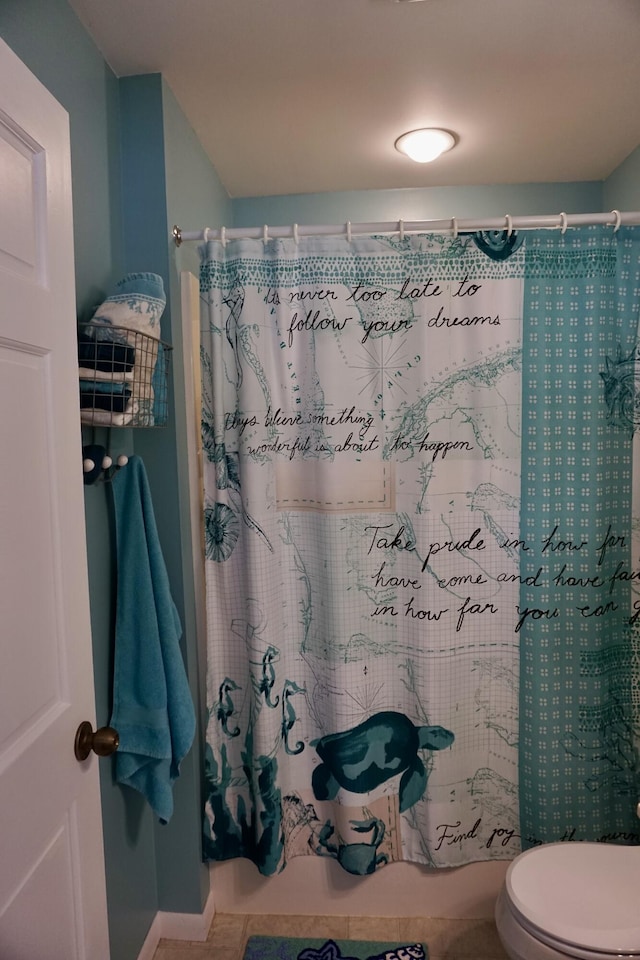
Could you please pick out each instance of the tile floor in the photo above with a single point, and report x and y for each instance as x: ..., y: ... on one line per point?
x: 446, y: 939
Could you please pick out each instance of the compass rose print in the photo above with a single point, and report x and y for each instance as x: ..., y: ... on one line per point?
x: 380, y: 366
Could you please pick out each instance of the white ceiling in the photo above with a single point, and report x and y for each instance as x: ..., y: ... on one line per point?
x: 303, y: 96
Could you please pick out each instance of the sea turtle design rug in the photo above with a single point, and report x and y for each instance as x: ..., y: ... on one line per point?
x: 294, y: 948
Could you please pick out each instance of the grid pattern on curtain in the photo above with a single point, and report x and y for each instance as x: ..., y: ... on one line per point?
x: 578, y: 712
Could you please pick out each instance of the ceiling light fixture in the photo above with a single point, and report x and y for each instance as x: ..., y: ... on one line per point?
x: 425, y: 145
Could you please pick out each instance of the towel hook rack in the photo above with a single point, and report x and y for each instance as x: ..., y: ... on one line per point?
x: 96, y: 462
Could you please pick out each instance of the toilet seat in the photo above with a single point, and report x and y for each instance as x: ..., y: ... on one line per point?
x: 583, y: 899
x: 520, y: 944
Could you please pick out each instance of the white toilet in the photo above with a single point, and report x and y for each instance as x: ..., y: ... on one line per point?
x: 572, y: 899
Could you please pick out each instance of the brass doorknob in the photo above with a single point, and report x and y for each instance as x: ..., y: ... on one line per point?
x: 104, y: 741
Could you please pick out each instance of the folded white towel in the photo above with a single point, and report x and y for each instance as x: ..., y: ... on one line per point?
x: 138, y: 413
x: 92, y: 417
x: 114, y: 376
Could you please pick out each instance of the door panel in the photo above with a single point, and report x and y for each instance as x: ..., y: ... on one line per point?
x: 52, y: 890
x: 24, y: 190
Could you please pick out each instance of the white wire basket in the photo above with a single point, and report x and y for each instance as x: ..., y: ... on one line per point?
x: 123, y: 377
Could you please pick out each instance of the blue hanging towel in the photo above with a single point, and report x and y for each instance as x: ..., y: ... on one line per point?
x: 152, y: 705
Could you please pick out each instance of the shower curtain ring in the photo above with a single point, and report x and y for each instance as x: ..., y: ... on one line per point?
x: 618, y: 220
x: 295, y: 234
x: 509, y: 224
x: 223, y: 236
x: 348, y: 226
x: 401, y: 229
x: 563, y: 223
x: 265, y: 234
x: 454, y: 227
x: 205, y: 234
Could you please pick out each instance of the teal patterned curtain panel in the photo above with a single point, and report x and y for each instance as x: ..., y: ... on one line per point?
x: 580, y: 552
x: 370, y: 580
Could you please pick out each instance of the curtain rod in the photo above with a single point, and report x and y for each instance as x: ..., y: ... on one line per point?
x: 560, y: 221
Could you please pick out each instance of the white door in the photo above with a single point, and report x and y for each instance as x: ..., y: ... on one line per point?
x: 52, y: 887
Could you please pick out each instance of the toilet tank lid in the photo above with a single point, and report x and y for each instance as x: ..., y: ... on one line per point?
x: 585, y: 894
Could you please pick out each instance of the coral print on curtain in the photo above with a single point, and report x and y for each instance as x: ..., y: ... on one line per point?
x: 369, y: 576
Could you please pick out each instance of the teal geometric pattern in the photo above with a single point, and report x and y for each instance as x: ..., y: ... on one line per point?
x: 579, y: 771
x: 367, y: 261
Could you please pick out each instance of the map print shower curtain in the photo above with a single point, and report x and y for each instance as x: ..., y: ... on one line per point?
x: 362, y: 435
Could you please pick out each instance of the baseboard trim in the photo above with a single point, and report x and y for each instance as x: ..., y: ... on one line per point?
x: 151, y: 940
x: 178, y: 926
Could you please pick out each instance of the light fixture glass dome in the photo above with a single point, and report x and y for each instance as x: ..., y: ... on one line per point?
x: 425, y: 145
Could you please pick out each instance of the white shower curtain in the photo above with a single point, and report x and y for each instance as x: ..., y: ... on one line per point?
x: 361, y: 427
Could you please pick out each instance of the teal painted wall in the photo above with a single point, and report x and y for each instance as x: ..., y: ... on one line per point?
x: 168, y: 179
x: 430, y: 203
x: 193, y: 190
x: 621, y: 191
x: 147, y: 248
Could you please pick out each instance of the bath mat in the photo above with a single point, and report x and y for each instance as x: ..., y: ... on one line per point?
x: 309, y: 948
